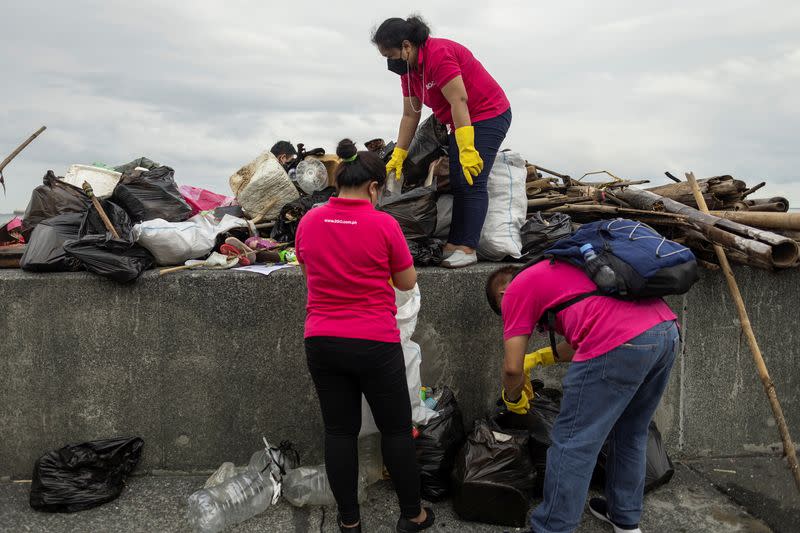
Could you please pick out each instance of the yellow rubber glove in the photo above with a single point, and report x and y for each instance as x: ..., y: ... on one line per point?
x: 522, y: 405
x: 469, y: 157
x: 542, y: 357
x: 395, y: 164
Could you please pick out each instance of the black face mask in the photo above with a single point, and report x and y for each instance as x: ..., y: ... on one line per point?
x: 398, y: 66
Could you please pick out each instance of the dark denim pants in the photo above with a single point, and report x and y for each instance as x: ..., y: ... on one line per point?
x: 470, y: 202
x: 615, y: 396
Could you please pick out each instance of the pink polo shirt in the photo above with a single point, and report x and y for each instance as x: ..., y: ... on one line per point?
x: 593, y: 326
x: 442, y: 60
x: 350, y: 250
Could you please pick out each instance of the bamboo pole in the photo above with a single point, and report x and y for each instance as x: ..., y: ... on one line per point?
x: 790, y: 221
x: 747, y: 328
x: 16, y: 152
x: 87, y: 188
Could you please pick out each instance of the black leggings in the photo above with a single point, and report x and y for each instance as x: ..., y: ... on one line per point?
x: 343, y: 369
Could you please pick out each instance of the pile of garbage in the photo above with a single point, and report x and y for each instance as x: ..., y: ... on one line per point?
x: 120, y: 221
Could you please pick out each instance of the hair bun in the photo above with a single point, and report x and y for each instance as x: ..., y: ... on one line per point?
x: 346, y: 149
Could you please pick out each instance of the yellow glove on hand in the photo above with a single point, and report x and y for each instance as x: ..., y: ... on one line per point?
x: 469, y: 157
x: 395, y: 164
x: 542, y: 357
x: 522, y: 406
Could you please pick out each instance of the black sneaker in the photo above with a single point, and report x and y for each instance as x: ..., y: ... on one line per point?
x: 404, y: 525
x: 599, y: 508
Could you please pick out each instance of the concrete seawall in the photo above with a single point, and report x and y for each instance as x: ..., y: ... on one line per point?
x: 202, y: 364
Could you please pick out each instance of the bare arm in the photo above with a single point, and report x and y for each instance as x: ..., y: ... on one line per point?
x: 456, y: 95
x: 405, y: 280
x: 514, y: 366
x: 409, y: 122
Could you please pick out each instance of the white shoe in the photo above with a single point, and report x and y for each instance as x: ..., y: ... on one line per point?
x: 460, y: 259
x: 599, y: 509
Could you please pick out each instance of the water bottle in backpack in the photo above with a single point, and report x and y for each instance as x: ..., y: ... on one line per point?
x: 598, y: 270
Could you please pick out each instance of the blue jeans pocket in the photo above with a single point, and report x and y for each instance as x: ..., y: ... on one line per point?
x: 625, y: 366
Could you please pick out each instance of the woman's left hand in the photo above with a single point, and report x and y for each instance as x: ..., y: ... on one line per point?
x: 469, y: 157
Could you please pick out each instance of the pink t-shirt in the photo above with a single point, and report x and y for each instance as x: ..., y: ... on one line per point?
x: 350, y: 250
x: 442, y: 60
x: 593, y: 326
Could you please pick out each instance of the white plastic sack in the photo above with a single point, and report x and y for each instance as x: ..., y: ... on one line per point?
x: 508, y: 206
x: 257, y: 184
x: 174, y: 243
x: 408, y: 305
x: 444, y: 215
x: 311, y: 175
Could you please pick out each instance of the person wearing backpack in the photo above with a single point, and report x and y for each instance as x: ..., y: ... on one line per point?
x: 622, y: 352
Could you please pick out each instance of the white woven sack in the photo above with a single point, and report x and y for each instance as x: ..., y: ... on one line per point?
x: 508, y: 206
x: 258, y: 183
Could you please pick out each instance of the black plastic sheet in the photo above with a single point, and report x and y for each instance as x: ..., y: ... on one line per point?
x: 493, y: 477
x: 115, y: 259
x: 437, y: 445
x: 430, y: 142
x: 414, y: 210
x: 45, y: 250
x: 426, y: 252
x: 54, y: 197
x: 81, y: 476
x: 151, y: 194
x: 540, y: 231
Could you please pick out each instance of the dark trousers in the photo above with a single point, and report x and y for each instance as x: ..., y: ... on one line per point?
x: 343, y: 369
x: 470, y: 202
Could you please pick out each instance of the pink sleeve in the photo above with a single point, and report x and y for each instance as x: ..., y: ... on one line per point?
x: 298, y: 242
x: 444, y: 68
x: 521, y: 310
x: 399, y: 256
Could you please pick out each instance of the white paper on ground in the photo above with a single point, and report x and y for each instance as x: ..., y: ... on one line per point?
x: 262, y: 269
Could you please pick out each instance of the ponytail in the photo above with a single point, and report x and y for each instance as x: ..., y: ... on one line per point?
x: 392, y: 32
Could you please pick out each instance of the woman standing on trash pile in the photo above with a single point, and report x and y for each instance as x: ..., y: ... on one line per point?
x: 445, y: 76
x: 622, y: 354
x: 351, y: 254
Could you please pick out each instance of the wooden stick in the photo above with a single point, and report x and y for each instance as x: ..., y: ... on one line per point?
x: 751, y: 190
x: 20, y: 148
x: 790, y: 221
x: 16, y: 152
x: 87, y: 188
x: 747, y: 328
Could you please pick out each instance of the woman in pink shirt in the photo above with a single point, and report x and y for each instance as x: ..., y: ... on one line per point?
x: 350, y: 253
x: 622, y: 353
x: 445, y: 76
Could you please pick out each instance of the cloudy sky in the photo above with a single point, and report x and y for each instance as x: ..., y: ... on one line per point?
x: 634, y: 87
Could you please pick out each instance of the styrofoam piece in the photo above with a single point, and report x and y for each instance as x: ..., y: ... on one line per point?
x: 102, y: 180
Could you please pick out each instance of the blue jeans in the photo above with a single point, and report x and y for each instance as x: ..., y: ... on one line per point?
x: 471, y: 202
x: 615, y: 396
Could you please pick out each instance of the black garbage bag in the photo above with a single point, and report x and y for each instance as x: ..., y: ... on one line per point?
x: 540, y: 231
x: 117, y: 259
x: 538, y: 423
x: 45, y: 250
x: 437, y: 445
x: 81, y: 476
x: 415, y: 210
x: 430, y: 142
x: 54, y: 197
x: 285, y: 228
x: 426, y: 252
x: 660, y: 468
x: 142, y: 162
x: 493, y: 477
x: 92, y: 224
x: 151, y: 194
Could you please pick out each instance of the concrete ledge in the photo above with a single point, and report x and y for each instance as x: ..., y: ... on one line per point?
x: 202, y: 364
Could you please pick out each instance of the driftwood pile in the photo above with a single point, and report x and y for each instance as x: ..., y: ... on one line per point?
x: 755, y: 232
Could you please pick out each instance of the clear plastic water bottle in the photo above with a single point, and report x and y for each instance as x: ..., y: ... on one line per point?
x: 602, y: 274
x: 241, y: 497
x: 370, y: 458
x: 308, y: 485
